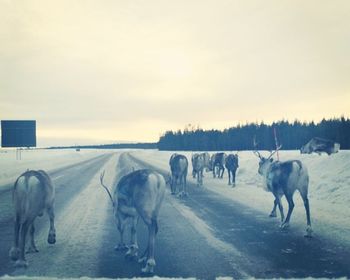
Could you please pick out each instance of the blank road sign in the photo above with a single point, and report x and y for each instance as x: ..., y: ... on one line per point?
x: 18, y: 134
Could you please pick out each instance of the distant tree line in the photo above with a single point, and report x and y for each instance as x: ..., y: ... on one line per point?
x: 112, y: 146
x: 292, y: 135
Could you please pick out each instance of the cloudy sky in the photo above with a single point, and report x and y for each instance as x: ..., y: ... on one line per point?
x: 106, y: 71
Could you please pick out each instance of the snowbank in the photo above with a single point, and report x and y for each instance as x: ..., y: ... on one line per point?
x: 10, y: 168
x: 329, y: 189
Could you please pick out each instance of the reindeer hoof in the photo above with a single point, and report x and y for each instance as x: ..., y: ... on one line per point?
x: 285, y: 226
x: 181, y: 194
x: 273, y: 215
x: 149, y: 268
x: 32, y: 250
x: 21, y: 264
x: 51, y: 239
x: 132, y: 252
x: 309, y: 232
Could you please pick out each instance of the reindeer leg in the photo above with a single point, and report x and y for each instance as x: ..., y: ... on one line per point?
x: 307, y: 210
x: 51, y: 239
x: 121, y: 227
x: 21, y: 262
x: 229, y: 177
x: 152, y: 231
x: 185, y: 184
x: 182, y: 182
x: 133, y: 248
x: 14, y: 252
x: 175, y: 183
x: 143, y: 258
x: 172, y: 184
x: 279, y: 203
x: 290, y: 210
x: 273, y: 212
x: 233, y: 177
x: 32, y: 248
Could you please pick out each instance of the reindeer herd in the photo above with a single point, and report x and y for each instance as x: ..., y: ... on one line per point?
x: 281, y: 178
x: 140, y: 193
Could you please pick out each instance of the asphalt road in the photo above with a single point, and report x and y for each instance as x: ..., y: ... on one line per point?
x: 204, y: 235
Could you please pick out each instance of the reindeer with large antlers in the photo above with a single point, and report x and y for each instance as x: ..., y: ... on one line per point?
x: 284, y: 178
x: 138, y: 194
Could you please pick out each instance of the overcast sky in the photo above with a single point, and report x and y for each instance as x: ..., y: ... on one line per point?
x: 107, y: 71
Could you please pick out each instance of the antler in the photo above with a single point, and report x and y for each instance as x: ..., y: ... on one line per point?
x: 103, y: 185
x: 255, y: 144
x: 257, y: 154
x: 272, y: 153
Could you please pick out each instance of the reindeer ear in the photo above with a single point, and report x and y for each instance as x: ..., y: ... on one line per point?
x: 271, y: 159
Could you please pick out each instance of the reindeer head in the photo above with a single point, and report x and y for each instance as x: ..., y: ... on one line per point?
x: 264, y: 163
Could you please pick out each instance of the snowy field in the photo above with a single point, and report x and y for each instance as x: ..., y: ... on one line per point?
x: 329, y: 188
x: 48, y: 160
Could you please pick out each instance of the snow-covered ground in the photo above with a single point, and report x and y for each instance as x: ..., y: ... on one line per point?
x: 11, y: 168
x: 329, y: 188
x: 82, y: 235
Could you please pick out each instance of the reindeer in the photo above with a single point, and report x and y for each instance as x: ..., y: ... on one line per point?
x: 320, y: 145
x: 33, y: 193
x: 179, y: 169
x: 199, y: 162
x: 231, y: 164
x: 218, y: 162
x: 283, y: 178
x: 138, y: 194
x: 172, y: 157
x: 206, y: 157
x: 193, y: 159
